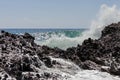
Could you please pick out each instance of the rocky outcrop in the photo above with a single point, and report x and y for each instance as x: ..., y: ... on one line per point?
x: 105, y: 51
x: 20, y: 56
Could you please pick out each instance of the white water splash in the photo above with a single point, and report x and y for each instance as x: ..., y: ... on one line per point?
x: 105, y: 16
x: 62, y: 41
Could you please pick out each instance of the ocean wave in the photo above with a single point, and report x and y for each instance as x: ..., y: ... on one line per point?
x: 105, y: 16
x: 62, y: 39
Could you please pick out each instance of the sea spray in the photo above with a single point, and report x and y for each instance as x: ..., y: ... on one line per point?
x: 105, y: 16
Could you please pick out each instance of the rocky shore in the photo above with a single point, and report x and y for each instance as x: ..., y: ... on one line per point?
x: 21, y: 58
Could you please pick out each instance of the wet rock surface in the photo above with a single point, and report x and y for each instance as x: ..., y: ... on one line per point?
x: 21, y: 57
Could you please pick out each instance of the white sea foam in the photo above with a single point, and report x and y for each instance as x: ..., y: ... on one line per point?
x: 62, y: 41
x: 73, y: 72
x: 93, y: 75
x: 66, y: 70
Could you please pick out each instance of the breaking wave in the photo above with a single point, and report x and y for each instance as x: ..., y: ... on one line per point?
x: 68, y: 38
x: 61, y: 39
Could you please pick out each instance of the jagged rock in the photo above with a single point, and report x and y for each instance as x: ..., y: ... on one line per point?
x: 111, y: 29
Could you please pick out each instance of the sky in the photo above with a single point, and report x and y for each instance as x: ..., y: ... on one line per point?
x: 50, y: 13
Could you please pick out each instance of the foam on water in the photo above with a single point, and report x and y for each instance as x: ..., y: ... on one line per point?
x: 73, y: 72
x: 67, y: 70
x: 93, y: 75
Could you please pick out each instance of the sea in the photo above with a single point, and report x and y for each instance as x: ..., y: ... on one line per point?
x: 64, y: 38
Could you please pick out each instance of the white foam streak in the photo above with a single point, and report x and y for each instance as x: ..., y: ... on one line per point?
x: 66, y: 70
